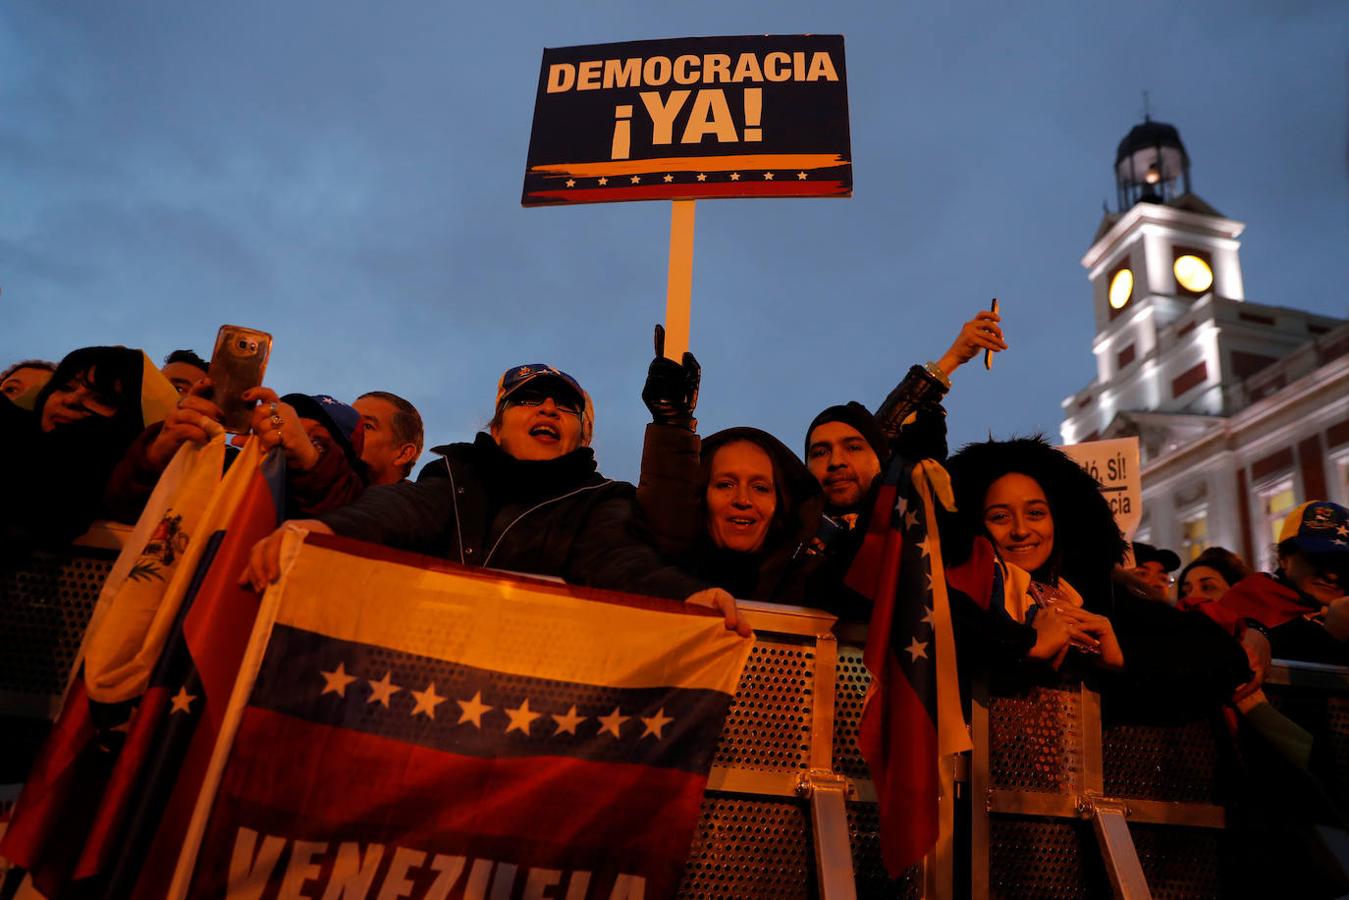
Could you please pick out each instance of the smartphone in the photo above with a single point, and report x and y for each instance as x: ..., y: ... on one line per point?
x: 237, y: 364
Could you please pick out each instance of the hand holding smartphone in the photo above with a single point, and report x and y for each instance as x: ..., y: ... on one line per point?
x: 238, y: 363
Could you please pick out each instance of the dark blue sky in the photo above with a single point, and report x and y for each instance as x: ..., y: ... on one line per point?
x: 347, y: 176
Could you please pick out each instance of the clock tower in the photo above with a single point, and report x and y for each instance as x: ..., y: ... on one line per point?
x: 1181, y: 354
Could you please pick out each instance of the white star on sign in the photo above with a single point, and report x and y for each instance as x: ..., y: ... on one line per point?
x: 768, y: 176
x: 427, y: 701
x: 336, y: 681
x: 656, y: 724
x: 603, y: 182
x: 800, y: 176
x: 735, y: 176
x: 473, y: 710
x: 668, y: 178
x: 568, y: 721
x: 636, y: 179
x: 612, y: 722
x: 182, y: 701
x: 521, y: 717
x: 702, y: 176
x: 571, y: 182
x: 916, y: 649
x: 382, y: 690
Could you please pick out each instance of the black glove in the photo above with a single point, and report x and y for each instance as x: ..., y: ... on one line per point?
x: 671, y: 389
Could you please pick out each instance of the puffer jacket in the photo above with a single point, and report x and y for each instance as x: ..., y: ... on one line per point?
x: 479, y: 506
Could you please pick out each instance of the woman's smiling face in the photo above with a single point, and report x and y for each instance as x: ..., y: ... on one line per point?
x: 1018, y: 519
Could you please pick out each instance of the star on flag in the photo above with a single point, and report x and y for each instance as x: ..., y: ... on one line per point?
x: 521, y: 717
x: 382, y: 690
x: 735, y: 176
x: 768, y: 176
x: 916, y: 649
x: 571, y: 182
x: 612, y: 722
x: 427, y: 701
x: 567, y: 722
x: 182, y: 701
x: 668, y: 178
x: 336, y: 681
x: 636, y: 179
x: 800, y: 176
x: 603, y: 182
x: 656, y: 724
x: 702, y: 176
x: 473, y: 710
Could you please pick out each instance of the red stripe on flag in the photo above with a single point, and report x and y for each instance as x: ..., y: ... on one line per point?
x: 974, y: 577
x: 60, y: 797
x: 105, y: 833
x: 294, y: 778
x: 895, y: 728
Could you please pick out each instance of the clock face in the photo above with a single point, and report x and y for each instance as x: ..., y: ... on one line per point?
x: 1193, y: 273
x: 1121, y: 288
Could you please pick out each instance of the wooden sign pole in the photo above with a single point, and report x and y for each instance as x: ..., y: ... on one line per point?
x: 679, y: 288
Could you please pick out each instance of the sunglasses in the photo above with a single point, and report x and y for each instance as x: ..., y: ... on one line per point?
x: 531, y: 397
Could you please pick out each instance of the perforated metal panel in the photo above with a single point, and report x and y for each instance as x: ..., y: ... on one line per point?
x: 1034, y: 742
x: 1176, y: 763
x: 749, y: 848
x: 45, y: 604
x: 1180, y: 863
x: 850, y: 686
x: 768, y: 726
x: 868, y: 871
x: 1042, y: 858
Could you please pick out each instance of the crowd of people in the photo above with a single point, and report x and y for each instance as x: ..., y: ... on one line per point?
x: 735, y: 514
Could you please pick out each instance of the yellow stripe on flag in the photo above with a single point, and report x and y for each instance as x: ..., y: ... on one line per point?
x: 140, y: 599
x: 158, y: 395
x: 492, y: 624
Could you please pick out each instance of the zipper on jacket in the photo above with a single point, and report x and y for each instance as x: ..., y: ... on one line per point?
x: 580, y: 490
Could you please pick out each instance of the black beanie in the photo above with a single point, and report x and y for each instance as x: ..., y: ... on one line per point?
x: 854, y: 414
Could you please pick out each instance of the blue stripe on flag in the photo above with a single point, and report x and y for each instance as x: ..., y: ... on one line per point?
x: 461, y: 709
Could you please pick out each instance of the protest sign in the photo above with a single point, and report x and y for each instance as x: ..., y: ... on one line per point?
x: 759, y: 116
x: 1114, y: 463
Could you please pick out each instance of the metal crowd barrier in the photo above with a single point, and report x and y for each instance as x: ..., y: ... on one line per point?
x: 1059, y: 805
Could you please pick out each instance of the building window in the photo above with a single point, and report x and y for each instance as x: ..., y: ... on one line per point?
x: 1193, y: 535
x: 1276, y: 502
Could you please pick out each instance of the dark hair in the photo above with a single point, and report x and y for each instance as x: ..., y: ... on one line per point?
x: 42, y: 364
x: 116, y: 378
x: 1221, y: 560
x: 797, y: 491
x: 406, y: 425
x: 1087, y: 541
x: 187, y: 356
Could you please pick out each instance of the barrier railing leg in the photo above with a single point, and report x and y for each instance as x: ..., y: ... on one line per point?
x: 829, y: 822
x: 1117, y: 848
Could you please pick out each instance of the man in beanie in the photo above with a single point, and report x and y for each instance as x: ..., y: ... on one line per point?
x: 847, y: 448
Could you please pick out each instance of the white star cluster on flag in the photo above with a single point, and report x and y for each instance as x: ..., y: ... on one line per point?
x: 522, y: 718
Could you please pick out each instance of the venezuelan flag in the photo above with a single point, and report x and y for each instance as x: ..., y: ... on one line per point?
x: 415, y: 727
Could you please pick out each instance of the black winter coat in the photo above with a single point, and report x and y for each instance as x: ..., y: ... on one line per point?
x: 479, y: 506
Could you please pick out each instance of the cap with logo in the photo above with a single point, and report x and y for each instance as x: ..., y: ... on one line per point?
x: 540, y: 376
x: 1317, y: 526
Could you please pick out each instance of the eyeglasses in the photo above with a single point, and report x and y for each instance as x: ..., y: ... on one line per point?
x: 531, y: 398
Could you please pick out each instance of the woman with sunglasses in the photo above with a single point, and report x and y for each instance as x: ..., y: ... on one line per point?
x: 524, y: 496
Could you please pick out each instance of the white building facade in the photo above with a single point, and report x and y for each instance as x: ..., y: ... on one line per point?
x: 1241, y: 408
